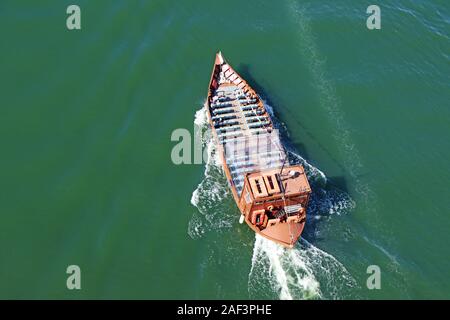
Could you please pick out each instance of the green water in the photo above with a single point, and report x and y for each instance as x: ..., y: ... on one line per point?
x: 86, y: 176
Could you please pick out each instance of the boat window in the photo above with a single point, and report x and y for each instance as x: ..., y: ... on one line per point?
x: 272, y: 184
x: 258, y: 186
x: 270, y: 181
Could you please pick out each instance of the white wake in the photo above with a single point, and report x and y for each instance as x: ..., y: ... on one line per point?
x: 304, y: 272
x: 212, y: 195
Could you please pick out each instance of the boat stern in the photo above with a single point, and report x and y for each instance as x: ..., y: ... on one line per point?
x: 274, y: 203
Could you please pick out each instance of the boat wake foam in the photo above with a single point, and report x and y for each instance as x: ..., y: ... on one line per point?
x: 304, y: 272
x: 212, y: 195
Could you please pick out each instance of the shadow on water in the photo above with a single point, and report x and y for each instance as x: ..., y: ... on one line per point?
x: 329, y: 195
x: 339, y: 182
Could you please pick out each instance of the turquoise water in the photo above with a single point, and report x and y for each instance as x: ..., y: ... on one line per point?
x: 86, y: 176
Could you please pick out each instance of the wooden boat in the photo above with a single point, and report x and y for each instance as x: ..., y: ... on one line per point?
x: 271, y: 194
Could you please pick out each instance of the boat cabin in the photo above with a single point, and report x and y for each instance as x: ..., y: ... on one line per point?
x: 275, y: 196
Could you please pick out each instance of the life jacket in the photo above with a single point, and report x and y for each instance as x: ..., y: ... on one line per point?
x: 260, y: 218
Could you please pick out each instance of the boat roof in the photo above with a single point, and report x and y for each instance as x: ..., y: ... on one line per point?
x: 293, y: 180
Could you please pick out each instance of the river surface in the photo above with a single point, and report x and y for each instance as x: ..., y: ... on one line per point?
x: 86, y: 177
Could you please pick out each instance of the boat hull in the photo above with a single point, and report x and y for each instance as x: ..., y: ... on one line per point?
x: 233, y: 122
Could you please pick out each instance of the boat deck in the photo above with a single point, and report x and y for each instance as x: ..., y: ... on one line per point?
x: 243, y: 127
